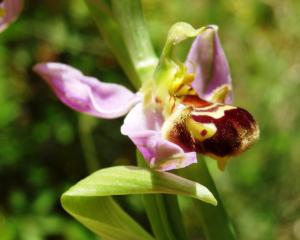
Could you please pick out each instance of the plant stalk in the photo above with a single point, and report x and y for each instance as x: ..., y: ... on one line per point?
x: 214, y: 219
x: 163, y: 213
x: 110, y: 31
x: 129, y: 15
x: 86, y: 126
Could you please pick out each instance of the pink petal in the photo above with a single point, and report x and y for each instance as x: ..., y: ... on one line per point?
x: 87, y: 94
x: 207, y: 60
x: 9, y: 11
x: 143, y: 128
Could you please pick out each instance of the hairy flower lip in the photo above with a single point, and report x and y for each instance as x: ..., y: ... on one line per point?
x: 236, y: 131
x: 217, y: 130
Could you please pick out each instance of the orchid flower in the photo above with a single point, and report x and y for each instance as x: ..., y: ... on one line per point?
x: 175, y: 115
x: 9, y: 11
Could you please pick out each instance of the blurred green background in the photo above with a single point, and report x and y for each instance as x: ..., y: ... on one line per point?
x: 42, y: 142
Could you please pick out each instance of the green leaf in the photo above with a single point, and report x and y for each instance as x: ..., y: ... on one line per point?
x: 214, y: 220
x: 122, y: 180
x: 90, y: 203
x: 104, y: 216
x: 163, y: 213
x: 129, y: 15
x: 111, y: 32
x: 122, y: 26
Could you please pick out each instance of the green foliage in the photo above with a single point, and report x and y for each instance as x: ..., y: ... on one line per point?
x: 104, y: 217
x: 90, y: 203
x: 123, y: 180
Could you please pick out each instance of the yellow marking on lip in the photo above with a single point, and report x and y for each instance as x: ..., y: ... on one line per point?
x: 208, y: 107
x: 196, y: 129
x: 220, y: 112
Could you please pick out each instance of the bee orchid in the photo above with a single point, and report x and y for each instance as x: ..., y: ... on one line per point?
x: 182, y: 111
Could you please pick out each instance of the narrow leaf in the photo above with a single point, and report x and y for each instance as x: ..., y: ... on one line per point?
x: 163, y: 213
x: 110, y: 30
x: 104, y: 217
x: 90, y: 203
x: 129, y: 15
x: 122, y: 180
x: 214, y: 220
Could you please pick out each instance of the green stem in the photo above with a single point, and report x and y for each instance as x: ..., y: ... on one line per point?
x: 175, y: 216
x: 162, y: 210
x: 110, y: 30
x: 86, y: 126
x: 125, y: 31
x: 129, y: 15
x: 163, y: 213
x: 214, y: 219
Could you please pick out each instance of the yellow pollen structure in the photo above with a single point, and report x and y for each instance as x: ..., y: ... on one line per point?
x: 179, y: 88
x: 182, y: 86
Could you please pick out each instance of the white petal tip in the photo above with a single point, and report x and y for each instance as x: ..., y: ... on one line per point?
x: 205, y: 195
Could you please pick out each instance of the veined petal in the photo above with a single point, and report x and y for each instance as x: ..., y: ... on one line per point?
x: 9, y: 11
x: 208, y: 62
x: 143, y: 128
x: 87, y: 94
